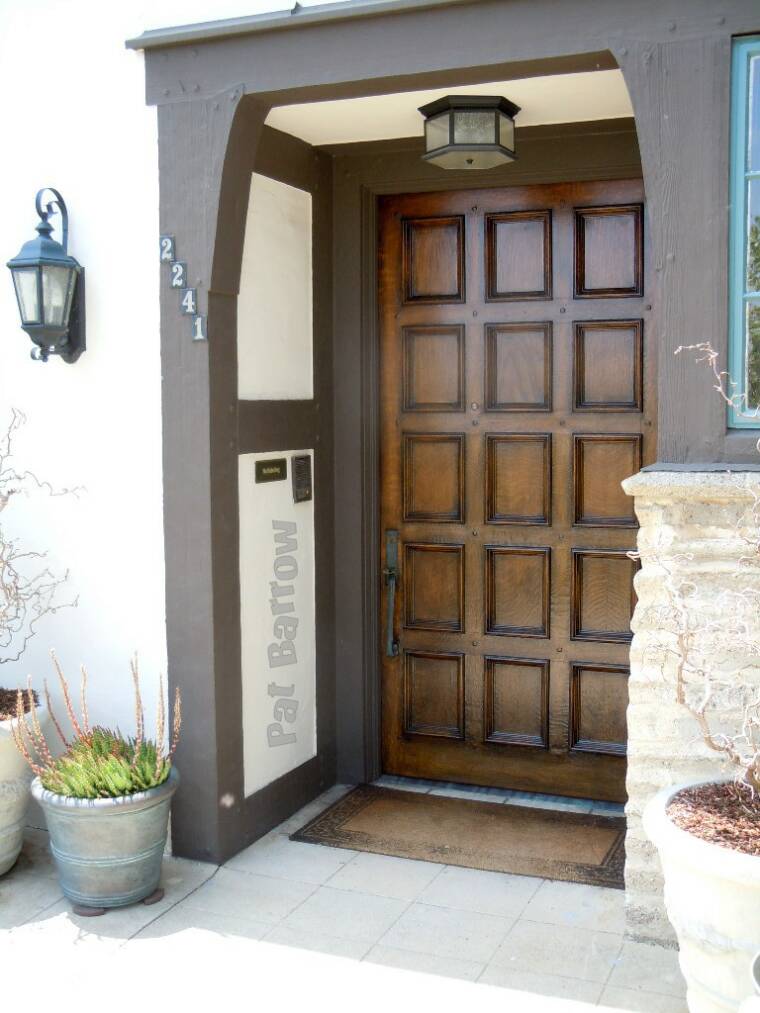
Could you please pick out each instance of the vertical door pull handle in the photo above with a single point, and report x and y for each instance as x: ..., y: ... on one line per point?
x: 391, y: 574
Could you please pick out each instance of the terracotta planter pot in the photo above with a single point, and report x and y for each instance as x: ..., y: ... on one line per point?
x: 15, y: 779
x: 712, y: 896
x: 108, y: 851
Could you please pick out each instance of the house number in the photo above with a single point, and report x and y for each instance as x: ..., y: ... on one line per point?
x: 189, y: 302
x: 167, y: 249
x: 188, y: 297
x: 179, y: 274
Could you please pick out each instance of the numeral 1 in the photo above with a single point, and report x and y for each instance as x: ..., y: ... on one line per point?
x: 179, y: 274
x: 188, y: 301
x: 166, y: 244
x: 199, y: 329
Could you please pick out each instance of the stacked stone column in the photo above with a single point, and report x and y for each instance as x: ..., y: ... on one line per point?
x: 701, y: 525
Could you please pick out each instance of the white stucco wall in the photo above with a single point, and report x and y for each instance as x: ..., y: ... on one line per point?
x: 74, y: 117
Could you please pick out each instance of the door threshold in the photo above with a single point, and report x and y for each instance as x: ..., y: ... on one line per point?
x: 500, y: 796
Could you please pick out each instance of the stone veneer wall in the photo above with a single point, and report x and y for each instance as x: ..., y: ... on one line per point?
x: 702, y: 516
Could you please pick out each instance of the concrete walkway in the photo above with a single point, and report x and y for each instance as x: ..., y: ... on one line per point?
x: 293, y: 916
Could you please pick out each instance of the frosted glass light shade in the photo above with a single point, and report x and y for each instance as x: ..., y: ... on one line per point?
x: 27, y: 294
x: 57, y: 290
x: 469, y: 131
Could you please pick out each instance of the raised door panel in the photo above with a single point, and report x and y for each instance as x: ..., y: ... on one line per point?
x: 433, y: 584
x: 602, y: 596
x: 598, y: 699
x: 518, y: 256
x: 518, y: 478
x: 609, y: 251
x: 433, y: 368
x: 518, y: 367
x: 433, y: 260
x: 601, y: 461
x: 517, y: 590
x: 433, y: 477
x: 434, y: 694
x: 609, y: 366
x: 516, y: 701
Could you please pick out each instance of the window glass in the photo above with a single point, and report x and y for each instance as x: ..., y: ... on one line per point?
x: 753, y: 235
x: 754, y: 113
x: 752, y: 325
x: 744, y: 275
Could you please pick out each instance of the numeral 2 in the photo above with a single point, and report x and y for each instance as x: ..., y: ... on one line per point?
x: 166, y: 244
x: 179, y: 274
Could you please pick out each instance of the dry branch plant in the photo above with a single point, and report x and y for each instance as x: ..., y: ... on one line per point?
x: 708, y: 647
x: 97, y: 762
x: 29, y: 589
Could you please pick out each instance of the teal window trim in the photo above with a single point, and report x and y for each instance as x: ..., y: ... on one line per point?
x: 744, y: 48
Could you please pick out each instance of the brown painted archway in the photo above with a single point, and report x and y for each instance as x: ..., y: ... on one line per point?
x: 213, y: 93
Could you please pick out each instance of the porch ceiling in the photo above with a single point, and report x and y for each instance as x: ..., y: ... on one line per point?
x: 560, y: 98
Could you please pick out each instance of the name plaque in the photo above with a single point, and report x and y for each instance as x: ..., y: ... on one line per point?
x: 275, y: 470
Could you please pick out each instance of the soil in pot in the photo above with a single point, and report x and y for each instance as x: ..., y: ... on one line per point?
x: 8, y: 699
x: 727, y: 814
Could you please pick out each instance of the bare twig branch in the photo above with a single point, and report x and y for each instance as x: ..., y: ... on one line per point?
x: 29, y: 590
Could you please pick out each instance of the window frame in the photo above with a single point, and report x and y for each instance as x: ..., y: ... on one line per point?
x: 743, y: 50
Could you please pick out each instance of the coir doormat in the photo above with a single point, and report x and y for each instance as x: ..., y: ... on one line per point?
x: 576, y: 847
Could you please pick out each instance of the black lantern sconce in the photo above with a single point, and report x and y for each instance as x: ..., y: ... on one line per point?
x: 50, y: 287
x: 470, y: 131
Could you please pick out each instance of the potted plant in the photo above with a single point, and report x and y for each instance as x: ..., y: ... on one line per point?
x: 707, y: 832
x: 106, y: 799
x: 15, y: 777
x: 29, y: 591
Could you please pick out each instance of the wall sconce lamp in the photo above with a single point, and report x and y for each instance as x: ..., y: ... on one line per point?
x: 470, y: 131
x: 50, y: 287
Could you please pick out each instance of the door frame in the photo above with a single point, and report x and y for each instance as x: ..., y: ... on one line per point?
x: 370, y: 192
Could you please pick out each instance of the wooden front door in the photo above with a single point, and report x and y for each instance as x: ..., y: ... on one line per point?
x: 516, y: 394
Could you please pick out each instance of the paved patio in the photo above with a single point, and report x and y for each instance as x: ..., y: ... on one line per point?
x: 356, y: 913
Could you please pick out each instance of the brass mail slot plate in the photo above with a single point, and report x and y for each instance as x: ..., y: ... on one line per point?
x: 275, y: 470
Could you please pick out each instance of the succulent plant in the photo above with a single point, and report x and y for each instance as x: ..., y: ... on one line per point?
x: 98, y: 762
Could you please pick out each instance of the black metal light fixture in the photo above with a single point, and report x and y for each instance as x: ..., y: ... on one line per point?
x: 470, y: 131
x: 50, y: 287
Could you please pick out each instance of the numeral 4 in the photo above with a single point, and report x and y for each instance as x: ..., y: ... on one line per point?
x: 189, y: 302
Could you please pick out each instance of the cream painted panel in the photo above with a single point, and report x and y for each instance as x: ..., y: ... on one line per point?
x: 277, y: 622
x: 275, y: 300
